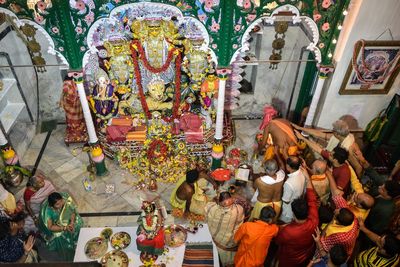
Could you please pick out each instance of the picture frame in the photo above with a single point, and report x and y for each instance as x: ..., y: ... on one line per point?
x: 376, y: 53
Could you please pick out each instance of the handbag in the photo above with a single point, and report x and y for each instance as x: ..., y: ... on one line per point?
x: 374, y: 127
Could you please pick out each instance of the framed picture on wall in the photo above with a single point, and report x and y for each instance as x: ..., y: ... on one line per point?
x: 377, y: 65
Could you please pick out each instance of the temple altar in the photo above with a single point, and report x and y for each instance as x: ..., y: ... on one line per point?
x: 153, y: 86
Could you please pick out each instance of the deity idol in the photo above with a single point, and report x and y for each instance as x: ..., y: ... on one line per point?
x: 120, y: 65
x: 156, y: 42
x: 197, y: 60
x: 157, y: 99
x: 104, y: 102
x: 151, y: 35
x: 150, y: 232
x: 209, y: 89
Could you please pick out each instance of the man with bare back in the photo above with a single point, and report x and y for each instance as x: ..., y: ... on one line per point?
x: 277, y: 132
x: 182, y: 195
x: 268, y: 189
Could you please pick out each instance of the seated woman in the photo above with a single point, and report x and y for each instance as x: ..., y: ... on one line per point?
x: 60, y: 223
x: 12, y: 248
x: 8, y: 206
x: 37, y: 190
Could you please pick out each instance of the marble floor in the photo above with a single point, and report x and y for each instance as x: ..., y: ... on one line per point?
x: 66, y: 168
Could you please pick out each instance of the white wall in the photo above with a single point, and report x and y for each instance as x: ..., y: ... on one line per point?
x: 274, y: 84
x: 374, y: 18
x: 50, y: 87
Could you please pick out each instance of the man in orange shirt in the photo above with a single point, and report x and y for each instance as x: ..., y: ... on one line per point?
x: 254, y: 238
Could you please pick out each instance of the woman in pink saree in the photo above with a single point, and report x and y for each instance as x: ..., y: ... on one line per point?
x: 37, y: 190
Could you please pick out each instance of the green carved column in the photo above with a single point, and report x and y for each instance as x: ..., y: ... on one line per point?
x: 225, y: 43
x: 67, y: 30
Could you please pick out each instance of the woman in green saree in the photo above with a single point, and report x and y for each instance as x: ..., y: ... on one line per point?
x: 60, y: 223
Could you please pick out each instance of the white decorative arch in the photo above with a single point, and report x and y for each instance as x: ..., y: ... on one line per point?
x: 51, y: 47
x: 143, y: 10
x: 296, y: 18
x: 20, y: 22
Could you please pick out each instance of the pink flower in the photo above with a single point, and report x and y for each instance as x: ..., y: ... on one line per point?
x: 214, y: 46
x: 78, y: 30
x: 55, y: 30
x: 39, y: 19
x: 83, y: 48
x: 80, y: 5
x: 89, y: 18
x: 238, y: 27
x: 41, y: 5
x: 209, y: 3
x: 251, y: 17
x: 214, y: 27
x: 202, y: 17
x: 325, y: 26
x: 326, y: 4
x: 3, y: 1
x: 117, y: 1
x: 317, y: 17
x: 246, y: 4
x: 234, y: 46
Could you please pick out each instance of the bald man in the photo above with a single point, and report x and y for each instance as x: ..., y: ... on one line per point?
x: 320, y: 181
x: 268, y: 189
x: 360, y: 202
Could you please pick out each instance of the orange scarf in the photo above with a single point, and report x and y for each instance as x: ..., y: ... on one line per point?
x: 318, y: 177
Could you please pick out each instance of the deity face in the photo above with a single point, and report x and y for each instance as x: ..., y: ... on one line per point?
x: 211, y: 77
x: 154, y: 30
x: 102, y: 81
x: 118, y: 49
x: 156, y: 91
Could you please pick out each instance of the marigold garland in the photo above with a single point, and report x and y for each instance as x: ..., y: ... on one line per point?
x: 157, y: 150
x: 163, y: 68
x: 147, y: 63
x: 139, y: 83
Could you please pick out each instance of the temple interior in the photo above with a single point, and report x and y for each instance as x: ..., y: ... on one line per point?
x: 200, y: 133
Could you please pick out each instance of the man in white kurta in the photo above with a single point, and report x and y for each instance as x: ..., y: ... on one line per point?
x: 293, y: 187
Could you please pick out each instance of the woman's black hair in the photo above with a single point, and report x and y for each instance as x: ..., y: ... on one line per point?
x: 4, y: 227
x: 53, y: 198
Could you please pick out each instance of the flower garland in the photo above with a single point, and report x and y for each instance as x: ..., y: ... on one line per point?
x: 163, y: 68
x: 139, y: 83
x: 177, y: 102
x: 147, y: 63
x: 157, y: 150
x: 366, y: 69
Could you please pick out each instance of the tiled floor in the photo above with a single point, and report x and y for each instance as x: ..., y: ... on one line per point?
x: 66, y: 167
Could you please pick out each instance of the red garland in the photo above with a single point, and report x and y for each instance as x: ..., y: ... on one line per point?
x: 162, y: 148
x: 177, y: 102
x: 138, y: 76
x: 367, y: 70
x: 147, y: 63
x: 139, y: 82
